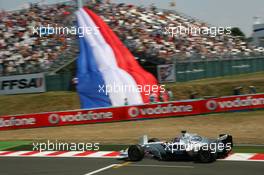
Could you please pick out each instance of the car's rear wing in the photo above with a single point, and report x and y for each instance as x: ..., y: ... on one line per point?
x: 222, y: 137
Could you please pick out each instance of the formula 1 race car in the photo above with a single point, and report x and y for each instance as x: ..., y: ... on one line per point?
x: 187, y: 146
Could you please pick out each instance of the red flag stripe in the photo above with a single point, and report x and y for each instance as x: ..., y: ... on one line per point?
x: 124, y: 57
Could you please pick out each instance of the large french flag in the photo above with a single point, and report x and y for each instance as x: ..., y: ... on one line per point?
x: 104, y: 61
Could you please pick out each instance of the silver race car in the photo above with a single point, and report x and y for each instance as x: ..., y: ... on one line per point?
x: 187, y: 146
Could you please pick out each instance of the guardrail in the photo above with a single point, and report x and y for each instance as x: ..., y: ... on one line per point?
x: 126, y: 113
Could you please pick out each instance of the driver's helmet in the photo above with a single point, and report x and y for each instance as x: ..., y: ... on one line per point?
x: 176, y: 139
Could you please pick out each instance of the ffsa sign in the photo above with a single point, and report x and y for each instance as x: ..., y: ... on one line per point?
x: 19, y: 84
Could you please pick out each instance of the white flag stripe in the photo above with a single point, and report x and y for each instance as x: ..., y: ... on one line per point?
x: 106, y: 61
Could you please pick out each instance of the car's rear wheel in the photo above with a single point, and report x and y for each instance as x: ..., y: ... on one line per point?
x: 135, y: 153
x: 228, y: 144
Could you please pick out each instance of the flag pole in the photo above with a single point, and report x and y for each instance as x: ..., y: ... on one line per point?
x: 80, y: 3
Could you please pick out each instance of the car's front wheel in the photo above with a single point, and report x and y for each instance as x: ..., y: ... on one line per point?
x: 135, y: 153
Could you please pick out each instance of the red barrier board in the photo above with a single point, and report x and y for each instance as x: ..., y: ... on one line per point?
x: 163, y: 110
x: 61, y: 118
x: 233, y: 103
x: 159, y: 110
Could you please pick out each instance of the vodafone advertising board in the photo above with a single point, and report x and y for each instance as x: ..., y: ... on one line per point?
x: 61, y: 118
x: 233, y: 103
x: 158, y: 110
x: 163, y: 110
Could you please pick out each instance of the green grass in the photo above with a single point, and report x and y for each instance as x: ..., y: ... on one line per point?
x: 252, y: 76
x: 58, y: 101
x: 40, y: 102
x: 248, y: 149
x: 12, y: 144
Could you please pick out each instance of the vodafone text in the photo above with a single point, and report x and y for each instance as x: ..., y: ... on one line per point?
x: 170, y: 108
x: 79, y: 116
x: 13, y: 121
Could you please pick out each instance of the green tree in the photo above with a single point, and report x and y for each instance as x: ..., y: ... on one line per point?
x: 235, y: 31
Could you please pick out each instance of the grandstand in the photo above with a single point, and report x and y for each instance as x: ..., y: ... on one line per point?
x: 140, y: 28
x: 23, y: 52
x: 258, y: 33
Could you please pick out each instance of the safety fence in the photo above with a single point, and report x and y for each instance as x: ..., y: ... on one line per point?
x: 193, y: 70
x: 179, y: 72
x: 125, y: 113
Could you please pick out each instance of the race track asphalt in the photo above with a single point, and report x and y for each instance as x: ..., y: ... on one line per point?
x: 102, y: 166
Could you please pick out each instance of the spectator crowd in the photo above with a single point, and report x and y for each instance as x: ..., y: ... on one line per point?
x: 143, y: 31
x: 21, y: 50
x: 140, y: 28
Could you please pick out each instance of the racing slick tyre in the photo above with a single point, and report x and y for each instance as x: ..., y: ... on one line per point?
x: 135, y: 153
x: 153, y: 140
x: 226, y: 151
x: 205, y: 156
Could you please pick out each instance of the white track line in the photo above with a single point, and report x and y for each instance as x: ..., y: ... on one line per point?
x: 99, y: 154
x: 68, y: 154
x: 101, y: 169
x: 113, y: 154
x: 160, y: 166
x: 15, y: 154
x: 241, y: 160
